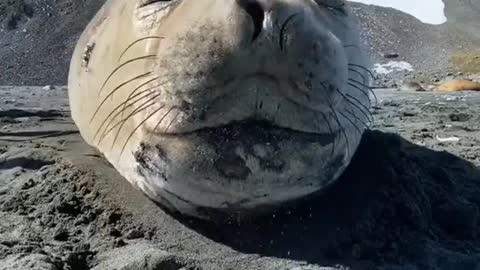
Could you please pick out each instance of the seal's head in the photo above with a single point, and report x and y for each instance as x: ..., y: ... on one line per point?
x: 222, y: 104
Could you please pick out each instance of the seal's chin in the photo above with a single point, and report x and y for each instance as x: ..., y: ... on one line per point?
x: 235, y: 142
x: 242, y: 165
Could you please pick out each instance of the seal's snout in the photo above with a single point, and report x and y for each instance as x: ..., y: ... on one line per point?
x: 268, y: 60
x: 256, y: 12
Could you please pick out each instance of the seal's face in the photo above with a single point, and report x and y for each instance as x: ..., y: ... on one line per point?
x: 225, y: 104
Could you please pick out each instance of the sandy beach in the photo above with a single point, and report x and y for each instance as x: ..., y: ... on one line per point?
x: 409, y: 200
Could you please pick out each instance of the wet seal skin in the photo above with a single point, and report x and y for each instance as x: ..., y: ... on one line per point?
x: 224, y: 107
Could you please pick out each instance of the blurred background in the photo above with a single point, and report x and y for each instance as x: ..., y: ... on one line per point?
x: 408, y: 40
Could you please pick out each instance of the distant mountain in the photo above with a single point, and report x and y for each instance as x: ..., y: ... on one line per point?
x: 37, y: 37
x: 427, y: 47
x: 465, y: 15
x: 36, y: 49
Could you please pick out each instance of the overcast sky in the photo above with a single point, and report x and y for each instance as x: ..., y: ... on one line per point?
x: 427, y: 11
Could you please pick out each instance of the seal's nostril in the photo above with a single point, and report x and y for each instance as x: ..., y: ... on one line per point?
x: 255, y: 10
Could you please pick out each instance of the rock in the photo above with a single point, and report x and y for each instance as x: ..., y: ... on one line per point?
x: 459, y: 117
x: 409, y: 113
x: 115, y: 232
x: 391, y: 55
x: 61, y: 234
x: 69, y: 204
x: 393, y: 85
x: 134, y: 234
x: 142, y: 256
x: 119, y: 243
x: 77, y: 259
x: 412, y: 86
x: 32, y: 261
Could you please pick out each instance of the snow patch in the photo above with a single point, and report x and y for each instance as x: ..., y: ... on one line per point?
x: 392, y: 66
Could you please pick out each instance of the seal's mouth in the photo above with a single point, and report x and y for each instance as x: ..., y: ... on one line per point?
x: 254, y: 131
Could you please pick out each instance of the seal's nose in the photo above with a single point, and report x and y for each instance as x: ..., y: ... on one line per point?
x: 255, y: 10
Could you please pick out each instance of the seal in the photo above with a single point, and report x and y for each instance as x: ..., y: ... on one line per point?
x: 458, y: 85
x: 225, y: 106
x: 411, y: 86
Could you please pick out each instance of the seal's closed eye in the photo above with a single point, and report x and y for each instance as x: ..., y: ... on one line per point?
x: 333, y: 5
x: 144, y: 3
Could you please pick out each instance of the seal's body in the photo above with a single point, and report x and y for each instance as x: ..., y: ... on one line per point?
x: 228, y: 105
x: 458, y: 85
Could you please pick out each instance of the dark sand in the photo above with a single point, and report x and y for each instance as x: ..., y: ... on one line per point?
x: 408, y: 201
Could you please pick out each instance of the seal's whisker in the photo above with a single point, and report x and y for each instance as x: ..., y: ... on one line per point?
x: 151, y: 56
x: 144, y: 84
x: 160, y: 121
x: 129, y: 98
x: 358, y: 103
x: 331, y: 131
x: 124, y: 121
x: 358, y: 119
x: 360, y: 84
x: 137, y: 127
x: 121, y: 111
x: 171, y: 122
x: 135, y: 112
x: 365, y: 111
x: 362, y: 91
x: 338, y: 123
x: 136, y: 42
x: 142, y: 107
x: 351, y: 122
x: 368, y: 115
x: 364, y: 68
x: 369, y: 88
x: 114, y: 91
x: 364, y: 79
